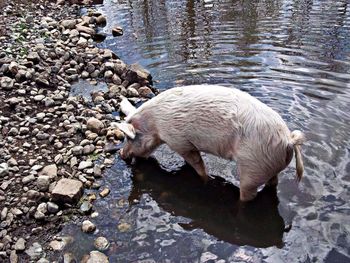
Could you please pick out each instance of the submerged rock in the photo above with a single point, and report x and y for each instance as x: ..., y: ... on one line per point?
x: 95, y: 257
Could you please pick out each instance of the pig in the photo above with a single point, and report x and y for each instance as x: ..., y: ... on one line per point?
x: 222, y: 121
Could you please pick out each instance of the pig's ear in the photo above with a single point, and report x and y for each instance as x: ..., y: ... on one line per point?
x: 127, y: 128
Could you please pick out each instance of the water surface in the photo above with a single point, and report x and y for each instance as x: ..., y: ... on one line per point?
x: 292, y: 55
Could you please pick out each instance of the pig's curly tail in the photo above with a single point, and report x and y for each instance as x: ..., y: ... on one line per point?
x: 298, y: 138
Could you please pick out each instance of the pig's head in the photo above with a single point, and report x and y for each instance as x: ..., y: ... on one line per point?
x: 139, y: 142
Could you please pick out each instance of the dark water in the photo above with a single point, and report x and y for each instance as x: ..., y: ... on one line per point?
x: 292, y: 55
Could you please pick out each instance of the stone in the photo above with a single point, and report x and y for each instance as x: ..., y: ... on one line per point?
x: 13, y: 257
x: 85, y: 29
x: 69, y: 23
x: 95, y: 257
x: 132, y: 92
x: 95, y: 125
x: 77, y: 150
x: 43, y: 183
x: 101, y: 20
x: 20, y: 244
x: 50, y: 171
x: 34, y: 57
x: 52, y: 207
x: 88, y: 226
x: 85, y: 164
x: 59, y: 245
x: 105, y: 192
x: 86, y: 207
x: 39, y: 98
x: 117, y: 31
x: 82, y: 42
x: 101, y: 243
x: 4, y: 169
x: 146, y: 92
x: 67, y: 190
x: 34, y: 251
x: 6, y: 83
x: 69, y: 258
x: 27, y: 179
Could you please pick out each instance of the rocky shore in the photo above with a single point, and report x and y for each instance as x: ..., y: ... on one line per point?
x: 54, y: 145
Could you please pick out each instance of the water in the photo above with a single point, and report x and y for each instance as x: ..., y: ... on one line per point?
x: 292, y: 55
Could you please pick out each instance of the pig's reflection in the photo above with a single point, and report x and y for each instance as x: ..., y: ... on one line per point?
x: 213, y: 207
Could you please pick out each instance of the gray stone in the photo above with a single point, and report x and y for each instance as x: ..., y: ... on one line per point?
x: 27, y: 179
x: 20, y: 244
x: 82, y: 42
x: 39, y: 97
x: 69, y: 23
x: 86, y: 207
x: 35, y: 251
x: 95, y: 125
x: 88, y: 226
x: 43, y: 183
x: 49, y: 170
x: 52, y: 207
x: 85, y: 164
x: 101, y: 243
x: 34, y: 57
x: 67, y: 190
x: 13, y: 257
x: 77, y: 150
x: 4, y: 169
x: 85, y: 29
x: 69, y: 258
x: 96, y: 257
x: 7, y: 83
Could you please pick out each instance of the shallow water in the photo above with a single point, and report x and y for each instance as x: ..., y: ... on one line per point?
x: 292, y: 55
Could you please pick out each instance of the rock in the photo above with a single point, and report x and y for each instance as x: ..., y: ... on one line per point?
x: 13, y: 257
x: 28, y: 179
x: 146, y: 92
x: 38, y: 98
x: 69, y: 23
x: 69, y: 258
x: 34, y: 57
x: 97, y: 171
x: 77, y: 150
x: 117, y: 31
x: 105, y: 192
x: 101, y: 243
x: 132, y: 92
x: 82, y: 42
x: 20, y: 244
x: 49, y: 170
x: 52, y: 207
x: 85, y: 29
x: 35, y: 251
x: 13, y: 67
x: 67, y: 190
x: 43, y: 183
x: 123, y: 227
x: 4, y: 169
x: 7, y: 83
x: 41, y: 81
x: 101, y: 20
x: 95, y: 125
x: 23, y: 130
x: 88, y: 226
x: 59, y: 245
x: 43, y: 260
x: 95, y: 257
x: 86, y: 207
x: 85, y: 164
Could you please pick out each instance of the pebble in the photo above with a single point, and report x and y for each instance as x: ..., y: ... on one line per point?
x: 88, y: 226
x: 101, y: 243
x: 104, y: 192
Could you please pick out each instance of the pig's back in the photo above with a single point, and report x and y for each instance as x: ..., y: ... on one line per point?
x: 212, y: 118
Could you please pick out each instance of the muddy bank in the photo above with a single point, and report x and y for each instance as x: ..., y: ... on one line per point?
x: 55, y: 142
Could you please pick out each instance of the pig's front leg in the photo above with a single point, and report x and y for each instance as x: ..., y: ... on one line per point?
x: 194, y: 159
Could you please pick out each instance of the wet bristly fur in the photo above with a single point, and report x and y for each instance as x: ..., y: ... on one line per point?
x: 222, y: 121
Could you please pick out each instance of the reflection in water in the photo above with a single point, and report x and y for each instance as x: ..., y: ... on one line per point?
x: 213, y: 207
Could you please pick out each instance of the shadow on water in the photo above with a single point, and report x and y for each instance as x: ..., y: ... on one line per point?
x: 213, y: 207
